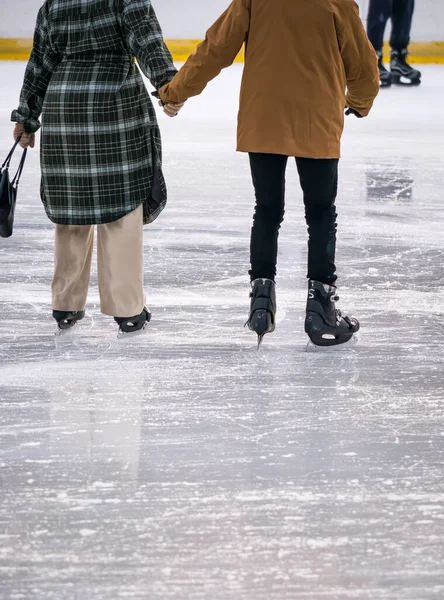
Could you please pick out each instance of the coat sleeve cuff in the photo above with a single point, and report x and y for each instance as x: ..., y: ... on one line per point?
x: 30, y: 124
x: 163, y: 94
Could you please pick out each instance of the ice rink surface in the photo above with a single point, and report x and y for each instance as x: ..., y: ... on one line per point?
x: 188, y: 466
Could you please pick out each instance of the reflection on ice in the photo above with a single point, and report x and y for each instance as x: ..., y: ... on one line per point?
x: 389, y: 183
x: 96, y: 420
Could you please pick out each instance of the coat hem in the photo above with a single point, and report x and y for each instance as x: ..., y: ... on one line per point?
x: 102, y: 221
x: 280, y: 151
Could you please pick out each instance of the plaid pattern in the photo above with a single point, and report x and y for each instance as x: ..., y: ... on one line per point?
x: 101, y: 153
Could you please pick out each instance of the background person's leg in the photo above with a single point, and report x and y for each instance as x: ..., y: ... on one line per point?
x: 72, y: 266
x: 268, y: 172
x: 319, y: 181
x: 120, y: 265
x: 402, y: 17
x: 402, y: 72
x: 379, y: 13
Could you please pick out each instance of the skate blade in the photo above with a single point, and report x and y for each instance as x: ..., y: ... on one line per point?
x: 405, y: 81
x: 126, y: 336
x: 63, y: 333
x: 260, y: 341
x: 329, y: 349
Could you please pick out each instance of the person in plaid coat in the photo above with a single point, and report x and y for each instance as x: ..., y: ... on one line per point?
x: 101, y: 155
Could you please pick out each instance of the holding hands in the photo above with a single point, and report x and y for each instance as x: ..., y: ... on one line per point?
x: 172, y: 110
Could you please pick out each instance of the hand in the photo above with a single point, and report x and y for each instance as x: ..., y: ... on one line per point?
x: 351, y: 111
x: 27, y: 139
x: 172, y: 110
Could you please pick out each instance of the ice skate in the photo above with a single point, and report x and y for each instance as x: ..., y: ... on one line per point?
x: 132, y: 326
x: 324, y: 324
x: 262, y: 319
x: 67, y: 319
x: 385, y: 77
x: 402, y: 73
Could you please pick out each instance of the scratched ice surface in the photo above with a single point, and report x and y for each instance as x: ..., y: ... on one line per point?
x: 186, y: 465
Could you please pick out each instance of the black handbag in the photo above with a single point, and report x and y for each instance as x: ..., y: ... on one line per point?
x: 8, y: 193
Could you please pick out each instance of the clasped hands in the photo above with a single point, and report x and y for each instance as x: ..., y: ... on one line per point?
x: 171, y: 110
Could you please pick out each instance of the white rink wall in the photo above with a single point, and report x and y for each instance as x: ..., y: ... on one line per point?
x: 189, y: 19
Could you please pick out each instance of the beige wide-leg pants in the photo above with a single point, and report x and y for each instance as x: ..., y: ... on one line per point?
x: 119, y: 266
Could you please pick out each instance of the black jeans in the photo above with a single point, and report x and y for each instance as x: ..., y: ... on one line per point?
x: 319, y: 181
x: 401, y: 13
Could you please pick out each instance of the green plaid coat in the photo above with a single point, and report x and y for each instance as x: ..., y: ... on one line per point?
x: 101, y: 154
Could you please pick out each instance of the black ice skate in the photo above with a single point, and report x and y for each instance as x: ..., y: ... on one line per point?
x: 131, y: 326
x: 67, y: 319
x: 262, y: 319
x: 324, y: 324
x: 402, y: 72
x: 385, y: 77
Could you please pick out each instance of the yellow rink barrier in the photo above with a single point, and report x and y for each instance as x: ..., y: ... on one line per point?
x: 420, y: 52
x: 20, y: 49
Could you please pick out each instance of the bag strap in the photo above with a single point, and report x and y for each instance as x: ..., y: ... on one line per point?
x: 8, y: 158
x: 17, y: 176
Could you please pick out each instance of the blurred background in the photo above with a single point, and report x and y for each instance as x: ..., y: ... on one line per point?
x: 189, y: 20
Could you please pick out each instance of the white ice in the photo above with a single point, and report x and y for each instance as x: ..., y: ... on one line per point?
x: 186, y: 465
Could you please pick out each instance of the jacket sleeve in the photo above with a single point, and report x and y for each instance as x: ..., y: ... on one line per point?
x: 359, y: 57
x: 222, y: 44
x: 41, y: 65
x: 143, y: 37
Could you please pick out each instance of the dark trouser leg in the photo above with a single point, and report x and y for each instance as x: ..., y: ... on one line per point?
x: 379, y: 13
x: 268, y: 172
x: 319, y: 181
x: 402, y: 24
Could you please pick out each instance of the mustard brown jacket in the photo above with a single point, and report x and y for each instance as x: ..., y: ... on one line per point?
x: 306, y: 60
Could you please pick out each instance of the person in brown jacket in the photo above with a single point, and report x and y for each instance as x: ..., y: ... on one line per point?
x: 305, y: 63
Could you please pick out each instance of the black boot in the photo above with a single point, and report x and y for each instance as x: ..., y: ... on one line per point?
x: 262, y: 317
x: 133, y: 325
x: 402, y: 72
x: 67, y: 319
x: 385, y: 77
x: 324, y: 324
